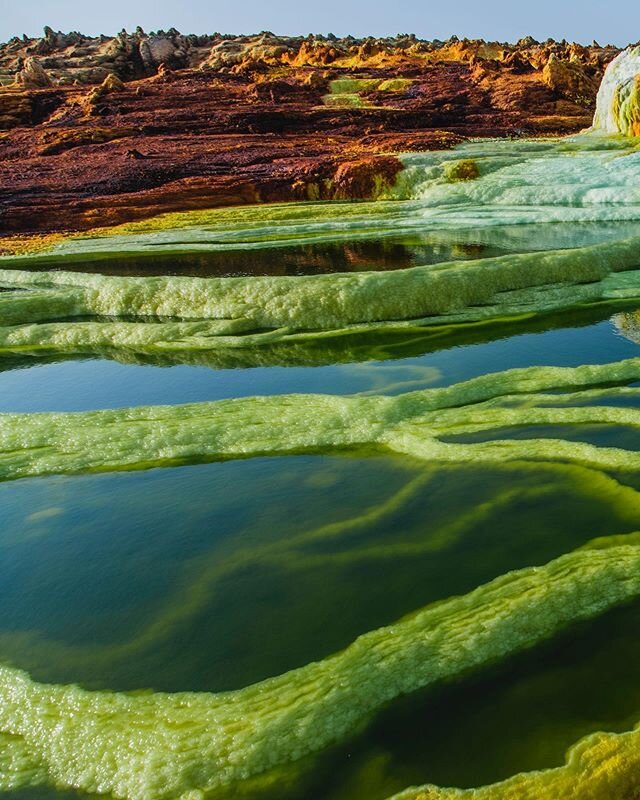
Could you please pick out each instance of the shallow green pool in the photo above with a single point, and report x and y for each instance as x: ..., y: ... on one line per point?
x: 390, y: 464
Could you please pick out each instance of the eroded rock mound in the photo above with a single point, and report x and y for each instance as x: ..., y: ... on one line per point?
x: 618, y: 103
x: 32, y: 75
x: 69, y: 57
x: 225, y: 120
x: 571, y: 79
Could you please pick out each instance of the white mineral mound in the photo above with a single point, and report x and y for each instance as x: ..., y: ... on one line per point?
x: 618, y: 102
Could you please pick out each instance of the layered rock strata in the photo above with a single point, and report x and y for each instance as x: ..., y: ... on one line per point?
x: 97, y: 131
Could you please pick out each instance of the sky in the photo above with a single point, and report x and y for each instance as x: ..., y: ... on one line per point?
x: 502, y: 20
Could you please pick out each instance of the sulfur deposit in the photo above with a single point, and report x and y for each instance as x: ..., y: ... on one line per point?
x: 618, y: 102
x: 186, y: 745
x: 162, y: 130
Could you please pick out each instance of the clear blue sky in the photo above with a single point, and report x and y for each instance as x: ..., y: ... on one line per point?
x: 575, y: 20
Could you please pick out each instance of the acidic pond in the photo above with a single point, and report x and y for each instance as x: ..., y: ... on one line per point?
x: 331, y: 500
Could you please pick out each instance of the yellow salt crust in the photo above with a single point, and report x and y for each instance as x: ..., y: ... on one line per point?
x: 426, y: 424
x: 603, y: 766
x: 187, y: 745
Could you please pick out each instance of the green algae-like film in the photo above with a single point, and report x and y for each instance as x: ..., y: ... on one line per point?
x: 335, y: 500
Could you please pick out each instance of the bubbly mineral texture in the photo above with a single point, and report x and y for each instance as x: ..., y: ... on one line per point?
x: 105, y: 130
x: 430, y: 424
x: 190, y: 315
x: 185, y: 744
x: 599, y: 767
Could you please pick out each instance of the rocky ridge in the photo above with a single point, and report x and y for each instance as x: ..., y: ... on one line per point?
x: 100, y: 130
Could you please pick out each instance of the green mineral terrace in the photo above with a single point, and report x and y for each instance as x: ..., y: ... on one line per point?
x: 449, y: 372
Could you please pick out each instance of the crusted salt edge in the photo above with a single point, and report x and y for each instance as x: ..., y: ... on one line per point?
x: 194, y: 312
x: 602, y: 766
x: 167, y: 745
x: 170, y: 745
x: 416, y: 423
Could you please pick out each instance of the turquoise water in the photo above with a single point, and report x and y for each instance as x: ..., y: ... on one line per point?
x: 213, y: 576
x: 85, y: 384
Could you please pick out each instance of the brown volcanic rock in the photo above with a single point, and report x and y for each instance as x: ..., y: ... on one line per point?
x: 572, y: 80
x: 365, y: 177
x: 73, y: 57
x: 16, y: 109
x: 232, y: 120
x: 32, y: 75
x: 25, y: 108
x: 57, y: 140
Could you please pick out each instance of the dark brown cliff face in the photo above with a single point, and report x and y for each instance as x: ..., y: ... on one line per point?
x: 101, y: 131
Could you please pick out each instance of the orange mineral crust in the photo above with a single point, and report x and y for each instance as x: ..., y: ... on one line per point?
x: 100, y: 131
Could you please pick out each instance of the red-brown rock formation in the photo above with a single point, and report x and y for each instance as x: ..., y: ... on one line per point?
x: 102, y: 130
